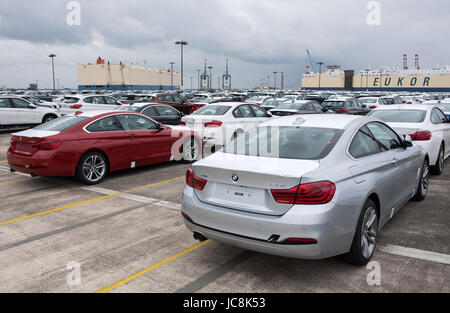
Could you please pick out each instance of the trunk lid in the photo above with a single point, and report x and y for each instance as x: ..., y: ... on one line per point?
x: 255, y: 177
x: 404, y: 128
x: 27, y: 142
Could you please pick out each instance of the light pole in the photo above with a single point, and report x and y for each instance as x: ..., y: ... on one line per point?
x: 282, y: 80
x: 191, y: 83
x: 320, y: 71
x: 210, y: 77
x: 171, y: 74
x: 275, y: 80
x: 53, y: 69
x: 198, y: 79
x: 181, y: 43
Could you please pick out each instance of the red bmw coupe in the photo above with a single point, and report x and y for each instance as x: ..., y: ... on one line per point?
x: 91, y: 144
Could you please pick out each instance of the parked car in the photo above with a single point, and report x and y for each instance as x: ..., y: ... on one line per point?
x: 298, y: 107
x: 427, y: 126
x: 346, y: 105
x: 91, y: 144
x: 373, y: 102
x: 445, y: 107
x: 174, y: 101
x: 41, y: 103
x: 270, y: 103
x: 219, y: 123
x: 75, y: 103
x: 17, y: 111
x: 328, y: 189
x: 162, y: 113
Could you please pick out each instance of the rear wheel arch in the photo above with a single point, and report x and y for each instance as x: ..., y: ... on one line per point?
x: 98, y: 151
x: 374, y: 197
x: 48, y: 115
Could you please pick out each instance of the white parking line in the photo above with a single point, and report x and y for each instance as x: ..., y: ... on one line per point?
x: 6, y: 169
x: 416, y: 253
x: 129, y: 196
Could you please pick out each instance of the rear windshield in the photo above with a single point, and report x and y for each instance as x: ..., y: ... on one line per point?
x: 400, y: 116
x: 333, y: 103
x: 290, y: 106
x: 61, y: 123
x: 212, y: 110
x: 367, y: 100
x: 286, y: 142
x: 70, y: 100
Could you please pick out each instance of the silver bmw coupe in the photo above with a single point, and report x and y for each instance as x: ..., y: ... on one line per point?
x: 311, y: 186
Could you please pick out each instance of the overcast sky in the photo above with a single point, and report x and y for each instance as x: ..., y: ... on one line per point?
x: 258, y: 36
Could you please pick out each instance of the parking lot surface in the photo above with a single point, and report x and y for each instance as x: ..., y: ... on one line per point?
x: 127, y: 235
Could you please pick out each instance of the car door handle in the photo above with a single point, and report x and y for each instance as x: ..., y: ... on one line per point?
x: 394, y: 161
x: 131, y: 135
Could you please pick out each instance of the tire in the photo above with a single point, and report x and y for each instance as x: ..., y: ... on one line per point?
x: 191, y: 150
x: 48, y: 118
x: 438, y: 169
x: 85, y: 170
x: 364, y: 241
x: 422, y: 188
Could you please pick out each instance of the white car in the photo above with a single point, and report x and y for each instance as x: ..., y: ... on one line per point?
x: 74, y: 103
x: 372, y: 102
x: 426, y: 124
x: 219, y: 123
x: 17, y: 111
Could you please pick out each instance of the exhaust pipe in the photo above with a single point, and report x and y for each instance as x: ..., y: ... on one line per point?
x: 199, y: 237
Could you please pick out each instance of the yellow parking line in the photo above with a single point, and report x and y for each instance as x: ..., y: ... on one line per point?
x: 13, y: 181
x: 84, y: 202
x: 151, y: 268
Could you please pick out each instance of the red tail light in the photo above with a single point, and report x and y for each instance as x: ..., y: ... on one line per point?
x: 213, y: 124
x: 194, y: 181
x: 300, y: 241
x: 76, y: 106
x: 182, y: 123
x: 124, y: 102
x: 343, y: 111
x: 373, y: 107
x: 409, y: 102
x: 48, y: 144
x: 423, y: 135
x: 312, y: 193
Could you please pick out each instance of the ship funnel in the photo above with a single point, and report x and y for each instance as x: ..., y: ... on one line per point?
x: 416, y: 62
x: 405, y: 62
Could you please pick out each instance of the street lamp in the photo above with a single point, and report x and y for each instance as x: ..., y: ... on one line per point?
x: 320, y: 71
x: 198, y: 79
x: 53, y: 69
x: 171, y: 74
x: 210, y: 77
x: 181, y: 43
x: 275, y: 80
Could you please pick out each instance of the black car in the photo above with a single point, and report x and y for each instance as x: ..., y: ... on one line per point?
x: 347, y: 106
x: 162, y: 113
x: 298, y: 107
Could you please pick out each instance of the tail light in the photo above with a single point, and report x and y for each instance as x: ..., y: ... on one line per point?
x: 48, y: 145
x: 343, y: 111
x: 194, y: 181
x: 182, y: 123
x: 213, y: 124
x: 76, y: 106
x: 312, y: 193
x: 373, y: 107
x: 124, y: 102
x: 423, y: 135
x: 300, y: 241
x: 409, y: 102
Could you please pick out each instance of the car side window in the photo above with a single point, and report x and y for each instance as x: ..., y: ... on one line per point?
x: 150, y: 111
x: 4, y: 103
x: 386, y: 137
x: 20, y: 104
x: 167, y: 98
x: 258, y: 111
x: 166, y: 111
x: 237, y: 113
x: 110, y: 100
x: 318, y: 107
x: 104, y: 125
x: 441, y: 115
x: 363, y: 144
x: 177, y: 99
x: 246, y: 111
x: 131, y: 122
x: 88, y: 99
x: 435, y: 117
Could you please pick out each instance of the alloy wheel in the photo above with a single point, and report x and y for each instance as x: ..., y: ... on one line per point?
x: 369, y: 231
x: 94, y: 168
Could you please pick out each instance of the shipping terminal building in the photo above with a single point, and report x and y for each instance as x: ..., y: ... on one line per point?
x: 101, y: 76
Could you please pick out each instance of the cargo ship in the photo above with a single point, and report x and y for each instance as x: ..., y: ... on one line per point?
x: 381, y: 79
x: 101, y: 76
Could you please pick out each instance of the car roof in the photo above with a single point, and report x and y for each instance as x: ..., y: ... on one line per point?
x: 405, y: 107
x: 336, y: 121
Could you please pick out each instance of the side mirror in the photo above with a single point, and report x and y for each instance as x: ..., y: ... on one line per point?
x: 160, y: 127
x: 324, y: 110
x: 363, y: 105
x: 268, y: 114
x: 407, y: 141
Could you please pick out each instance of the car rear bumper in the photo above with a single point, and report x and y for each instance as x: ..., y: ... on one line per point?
x: 42, y: 163
x: 252, y: 231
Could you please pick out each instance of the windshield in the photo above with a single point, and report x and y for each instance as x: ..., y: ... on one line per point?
x: 212, y: 110
x: 290, y: 106
x: 333, y: 103
x: 286, y: 142
x: 367, y: 100
x: 61, y: 123
x: 400, y: 116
